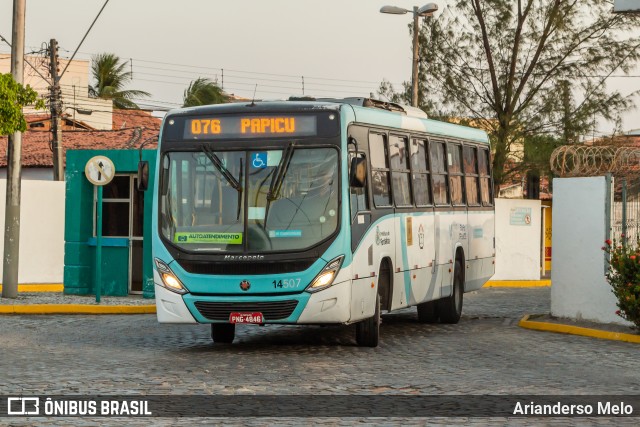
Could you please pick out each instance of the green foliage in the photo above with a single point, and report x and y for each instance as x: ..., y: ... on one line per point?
x: 624, y: 277
x: 513, y: 67
x: 537, y: 153
x: 111, y: 77
x: 13, y: 97
x: 203, y: 91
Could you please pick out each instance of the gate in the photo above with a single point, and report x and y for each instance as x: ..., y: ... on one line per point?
x: 625, y: 210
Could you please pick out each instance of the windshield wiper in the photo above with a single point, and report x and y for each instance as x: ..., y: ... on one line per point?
x: 278, y: 179
x: 281, y: 171
x: 233, y: 182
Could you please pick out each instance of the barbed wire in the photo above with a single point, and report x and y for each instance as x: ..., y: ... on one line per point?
x: 593, y: 160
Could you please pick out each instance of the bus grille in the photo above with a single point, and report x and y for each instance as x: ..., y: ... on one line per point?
x: 270, y: 310
x: 245, y: 268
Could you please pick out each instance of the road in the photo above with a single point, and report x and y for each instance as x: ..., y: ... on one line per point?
x: 486, y: 353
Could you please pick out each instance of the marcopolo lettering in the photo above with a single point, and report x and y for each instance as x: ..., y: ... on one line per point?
x: 243, y: 257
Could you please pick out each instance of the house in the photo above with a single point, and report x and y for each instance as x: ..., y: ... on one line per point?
x: 129, y: 129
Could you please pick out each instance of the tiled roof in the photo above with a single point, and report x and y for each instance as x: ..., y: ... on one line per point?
x: 139, y: 126
x: 134, y: 118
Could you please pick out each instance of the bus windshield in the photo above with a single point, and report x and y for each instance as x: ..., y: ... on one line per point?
x: 226, y: 201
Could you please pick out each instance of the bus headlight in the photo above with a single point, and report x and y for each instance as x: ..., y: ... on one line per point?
x: 325, y: 278
x: 169, y: 280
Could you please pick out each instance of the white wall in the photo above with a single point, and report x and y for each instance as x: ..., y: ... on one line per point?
x: 39, y: 174
x: 518, y: 239
x: 579, y: 289
x: 41, y: 231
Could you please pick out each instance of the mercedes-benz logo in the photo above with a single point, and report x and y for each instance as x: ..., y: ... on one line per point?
x: 245, y: 285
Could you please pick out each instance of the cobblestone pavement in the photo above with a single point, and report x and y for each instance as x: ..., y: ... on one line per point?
x: 486, y: 353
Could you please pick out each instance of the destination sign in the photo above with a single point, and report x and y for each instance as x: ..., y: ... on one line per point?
x: 249, y: 126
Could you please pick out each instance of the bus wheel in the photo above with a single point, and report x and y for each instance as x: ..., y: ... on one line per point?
x: 223, y: 332
x: 450, y: 308
x: 428, y: 312
x: 368, y: 330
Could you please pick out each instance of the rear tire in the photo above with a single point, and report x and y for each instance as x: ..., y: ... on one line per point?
x: 223, y: 333
x: 428, y: 312
x: 368, y: 330
x: 450, y: 308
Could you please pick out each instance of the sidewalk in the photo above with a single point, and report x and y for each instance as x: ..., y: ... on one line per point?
x: 517, y: 283
x: 41, y: 301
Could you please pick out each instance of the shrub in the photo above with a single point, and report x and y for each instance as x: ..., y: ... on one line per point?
x: 623, y: 275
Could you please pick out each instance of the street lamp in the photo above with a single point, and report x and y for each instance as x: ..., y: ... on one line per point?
x: 426, y: 10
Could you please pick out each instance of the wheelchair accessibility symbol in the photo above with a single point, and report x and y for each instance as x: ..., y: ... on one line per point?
x: 259, y: 160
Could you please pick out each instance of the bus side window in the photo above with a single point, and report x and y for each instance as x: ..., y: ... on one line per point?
x: 471, y: 175
x: 439, y: 173
x: 420, y: 169
x: 401, y: 174
x: 380, y: 183
x: 485, y: 177
x: 358, y: 195
x: 454, y: 160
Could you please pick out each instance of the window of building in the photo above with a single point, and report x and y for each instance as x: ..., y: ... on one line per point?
x: 116, y: 204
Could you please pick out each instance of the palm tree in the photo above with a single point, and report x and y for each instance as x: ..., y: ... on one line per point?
x: 111, y: 77
x: 203, y: 91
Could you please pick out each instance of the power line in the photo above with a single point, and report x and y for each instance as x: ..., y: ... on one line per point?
x: 85, y: 36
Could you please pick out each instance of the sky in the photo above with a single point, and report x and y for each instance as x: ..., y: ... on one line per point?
x: 322, y: 48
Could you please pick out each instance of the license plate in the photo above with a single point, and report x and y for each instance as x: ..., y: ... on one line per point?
x: 246, y: 318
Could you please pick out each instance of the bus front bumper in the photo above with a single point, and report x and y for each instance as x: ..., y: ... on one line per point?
x: 331, y: 305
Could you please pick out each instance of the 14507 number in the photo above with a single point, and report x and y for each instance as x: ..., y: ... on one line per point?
x: 286, y: 283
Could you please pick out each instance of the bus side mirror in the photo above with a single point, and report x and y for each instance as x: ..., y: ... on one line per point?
x: 143, y: 175
x: 358, y: 173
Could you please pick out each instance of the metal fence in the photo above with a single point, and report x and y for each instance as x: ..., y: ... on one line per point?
x: 625, y: 210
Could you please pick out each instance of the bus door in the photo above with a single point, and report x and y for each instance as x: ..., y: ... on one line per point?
x: 365, y: 264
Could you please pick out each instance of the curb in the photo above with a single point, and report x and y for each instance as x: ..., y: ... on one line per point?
x: 577, y: 330
x: 517, y: 283
x: 76, y: 309
x: 40, y: 287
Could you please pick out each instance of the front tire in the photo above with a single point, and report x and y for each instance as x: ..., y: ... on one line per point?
x: 450, y: 308
x: 223, y: 333
x: 368, y: 330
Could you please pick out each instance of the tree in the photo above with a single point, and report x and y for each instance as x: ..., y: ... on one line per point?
x: 203, y: 91
x: 13, y: 97
x: 509, y: 65
x: 110, y: 74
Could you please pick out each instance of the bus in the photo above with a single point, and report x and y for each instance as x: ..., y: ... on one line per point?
x: 318, y: 212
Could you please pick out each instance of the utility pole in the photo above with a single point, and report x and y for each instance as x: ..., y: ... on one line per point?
x: 416, y: 58
x: 14, y: 166
x: 55, y: 106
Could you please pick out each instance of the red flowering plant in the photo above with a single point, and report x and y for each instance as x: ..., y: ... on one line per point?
x: 623, y: 275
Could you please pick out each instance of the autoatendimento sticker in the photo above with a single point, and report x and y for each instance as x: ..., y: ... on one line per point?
x: 215, y: 238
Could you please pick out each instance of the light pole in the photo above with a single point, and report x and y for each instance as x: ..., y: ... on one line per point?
x: 426, y: 10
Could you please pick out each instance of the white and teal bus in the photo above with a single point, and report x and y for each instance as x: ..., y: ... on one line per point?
x: 318, y: 212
